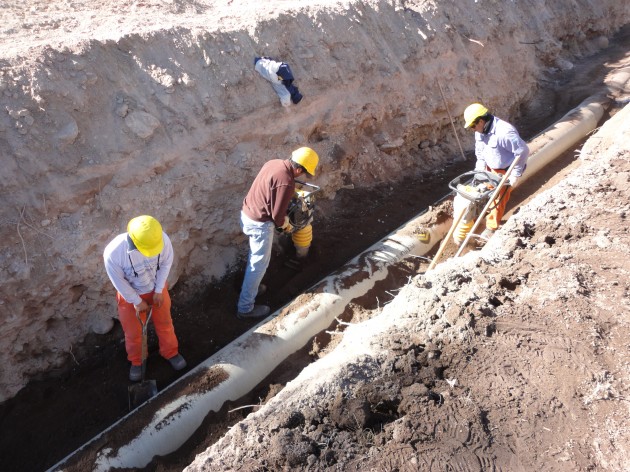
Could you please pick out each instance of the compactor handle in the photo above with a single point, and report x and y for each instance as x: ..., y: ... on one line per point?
x: 478, y: 177
x: 465, y: 178
x: 306, y: 184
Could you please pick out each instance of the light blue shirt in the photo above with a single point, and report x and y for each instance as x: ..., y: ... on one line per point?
x: 500, y: 147
x: 134, y: 274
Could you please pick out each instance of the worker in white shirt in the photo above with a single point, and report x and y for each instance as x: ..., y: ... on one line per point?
x: 137, y: 263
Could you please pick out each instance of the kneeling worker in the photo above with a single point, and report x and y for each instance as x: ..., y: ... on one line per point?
x: 137, y: 263
x: 497, y: 145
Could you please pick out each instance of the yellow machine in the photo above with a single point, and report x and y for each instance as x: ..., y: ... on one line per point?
x: 300, y: 212
x: 472, y: 191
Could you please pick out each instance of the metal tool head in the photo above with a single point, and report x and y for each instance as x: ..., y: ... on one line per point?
x: 141, y: 392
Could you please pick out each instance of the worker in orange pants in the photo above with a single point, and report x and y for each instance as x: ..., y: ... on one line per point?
x: 161, y: 317
x: 497, y: 210
x: 137, y: 263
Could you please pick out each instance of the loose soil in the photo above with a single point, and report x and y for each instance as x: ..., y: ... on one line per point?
x: 91, y: 394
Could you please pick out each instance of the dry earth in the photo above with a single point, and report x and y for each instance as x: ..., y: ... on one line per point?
x: 515, y: 359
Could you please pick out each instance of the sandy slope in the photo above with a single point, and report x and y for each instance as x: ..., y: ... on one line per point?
x: 64, y: 23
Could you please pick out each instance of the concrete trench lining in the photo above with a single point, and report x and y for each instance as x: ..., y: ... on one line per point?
x: 167, y: 421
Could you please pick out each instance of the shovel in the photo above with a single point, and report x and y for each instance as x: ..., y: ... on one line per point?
x: 141, y: 392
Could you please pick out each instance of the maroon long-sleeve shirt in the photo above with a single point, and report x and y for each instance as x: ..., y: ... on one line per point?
x: 269, y: 196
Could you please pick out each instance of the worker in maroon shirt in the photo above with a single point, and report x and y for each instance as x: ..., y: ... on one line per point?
x: 265, y: 208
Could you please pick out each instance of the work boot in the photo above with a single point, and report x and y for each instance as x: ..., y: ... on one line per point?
x: 135, y: 373
x: 262, y: 289
x: 257, y: 312
x: 177, y: 362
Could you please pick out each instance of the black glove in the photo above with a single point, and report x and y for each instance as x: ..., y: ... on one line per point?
x: 287, y: 227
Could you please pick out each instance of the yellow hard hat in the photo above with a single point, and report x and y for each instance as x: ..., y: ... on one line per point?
x: 146, y: 233
x: 307, y: 158
x: 472, y: 112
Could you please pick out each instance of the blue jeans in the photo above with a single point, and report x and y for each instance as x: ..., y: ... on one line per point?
x: 260, y: 243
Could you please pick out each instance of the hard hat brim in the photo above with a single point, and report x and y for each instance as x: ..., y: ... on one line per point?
x: 152, y: 251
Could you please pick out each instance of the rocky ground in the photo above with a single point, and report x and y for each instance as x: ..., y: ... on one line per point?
x: 514, y: 358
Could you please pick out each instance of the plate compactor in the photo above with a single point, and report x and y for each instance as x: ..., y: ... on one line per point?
x: 473, y: 191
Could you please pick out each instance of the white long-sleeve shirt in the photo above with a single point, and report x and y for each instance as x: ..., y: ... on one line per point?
x: 500, y: 147
x: 134, y: 274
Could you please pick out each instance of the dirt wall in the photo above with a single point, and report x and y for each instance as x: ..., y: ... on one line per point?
x: 173, y: 121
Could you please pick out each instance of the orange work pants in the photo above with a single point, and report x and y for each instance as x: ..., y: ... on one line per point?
x: 493, y: 219
x: 162, y: 322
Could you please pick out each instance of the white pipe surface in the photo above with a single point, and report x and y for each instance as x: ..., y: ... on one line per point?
x: 564, y: 134
x: 249, y: 359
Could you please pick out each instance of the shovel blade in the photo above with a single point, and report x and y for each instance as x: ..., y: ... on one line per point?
x: 141, y: 392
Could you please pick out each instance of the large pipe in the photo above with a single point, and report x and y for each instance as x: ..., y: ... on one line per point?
x: 165, y: 422
x: 564, y: 134
x: 576, y: 124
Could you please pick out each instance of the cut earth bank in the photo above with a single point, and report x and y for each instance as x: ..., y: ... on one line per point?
x: 81, y: 153
x: 119, y: 109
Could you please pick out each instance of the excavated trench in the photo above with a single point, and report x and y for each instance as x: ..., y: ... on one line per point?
x: 172, y: 428
x: 388, y: 208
